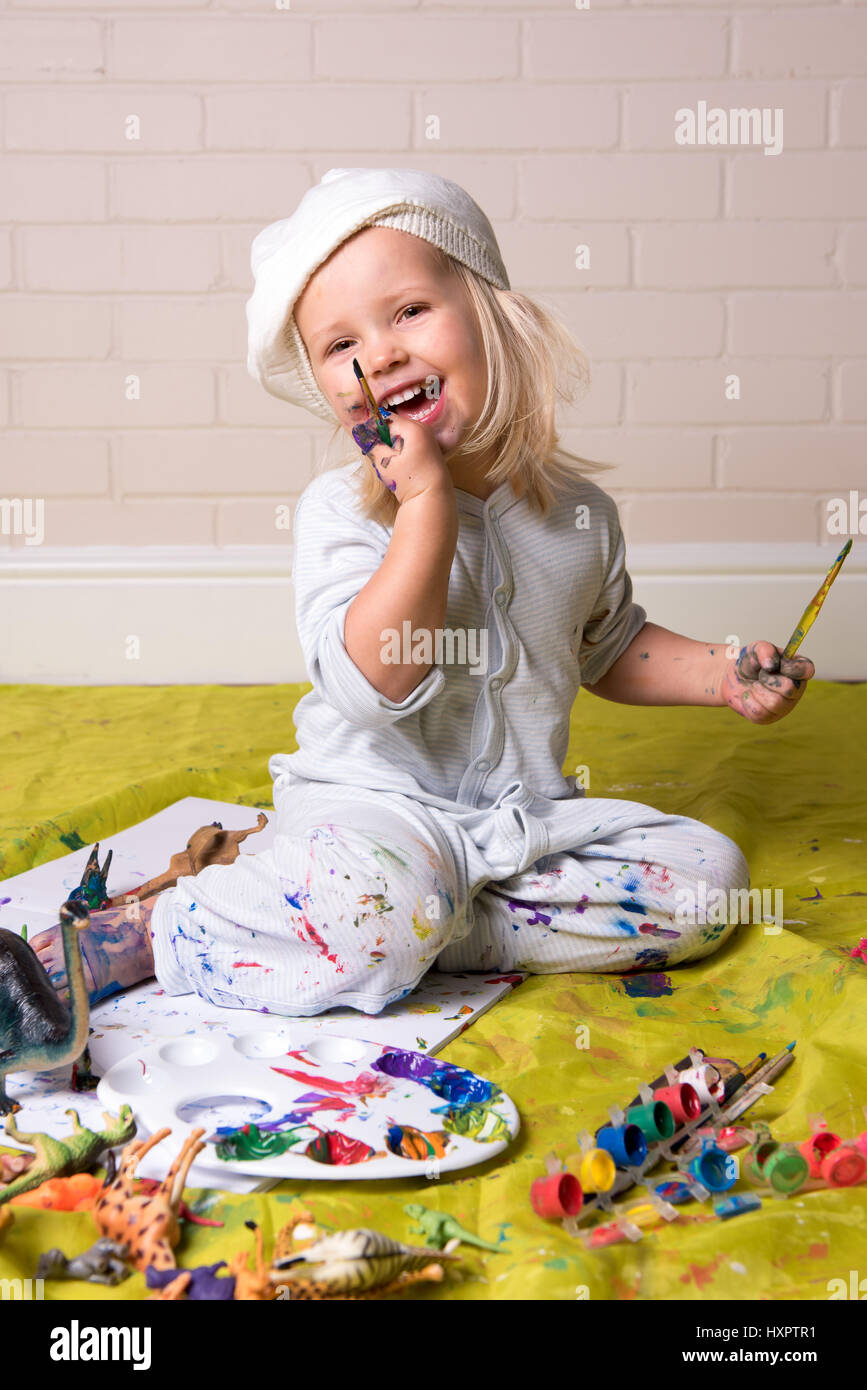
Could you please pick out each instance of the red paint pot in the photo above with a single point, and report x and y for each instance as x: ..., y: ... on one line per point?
x: 817, y: 1147
x: 557, y: 1195
x: 844, y: 1166
x: 682, y: 1100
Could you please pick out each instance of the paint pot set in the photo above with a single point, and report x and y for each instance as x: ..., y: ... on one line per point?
x: 277, y: 1103
x: 668, y: 1112
x: 683, y: 1117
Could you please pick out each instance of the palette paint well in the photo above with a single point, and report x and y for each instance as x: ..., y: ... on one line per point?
x: 337, y: 1107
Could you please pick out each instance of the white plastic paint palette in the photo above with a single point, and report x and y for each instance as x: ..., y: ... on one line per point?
x: 350, y: 1098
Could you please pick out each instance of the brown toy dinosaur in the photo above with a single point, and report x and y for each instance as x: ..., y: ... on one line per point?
x: 147, y: 1223
x: 252, y: 1285
x: 210, y: 844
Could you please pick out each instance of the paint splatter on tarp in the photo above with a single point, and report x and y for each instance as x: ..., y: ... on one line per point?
x: 647, y: 986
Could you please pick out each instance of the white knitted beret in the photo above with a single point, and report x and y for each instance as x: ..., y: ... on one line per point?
x: 285, y: 255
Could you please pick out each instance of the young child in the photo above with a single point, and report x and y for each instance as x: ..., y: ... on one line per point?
x: 454, y: 590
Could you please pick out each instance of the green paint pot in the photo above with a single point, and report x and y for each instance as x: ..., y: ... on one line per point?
x: 654, y: 1120
x: 755, y: 1161
x: 787, y: 1169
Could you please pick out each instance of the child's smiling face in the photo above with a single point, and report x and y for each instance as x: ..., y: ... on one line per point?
x: 384, y: 298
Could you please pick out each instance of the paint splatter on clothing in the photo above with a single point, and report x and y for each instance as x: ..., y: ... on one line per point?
x: 356, y: 915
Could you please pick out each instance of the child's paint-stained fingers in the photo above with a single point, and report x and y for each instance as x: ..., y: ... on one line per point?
x: 764, y: 664
x: 797, y: 668
x: 757, y: 658
x: 781, y: 685
x: 378, y: 454
x: 767, y: 696
x: 367, y: 436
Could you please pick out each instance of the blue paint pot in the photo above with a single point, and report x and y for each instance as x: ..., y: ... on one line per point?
x: 714, y: 1169
x: 625, y: 1143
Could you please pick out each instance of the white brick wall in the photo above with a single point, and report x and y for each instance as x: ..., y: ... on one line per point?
x: 127, y: 260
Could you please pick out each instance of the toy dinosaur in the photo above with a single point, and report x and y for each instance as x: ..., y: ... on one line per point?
x: 151, y: 1185
x: 210, y: 844
x: 38, y: 1031
x: 103, y: 1263
x: 355, y: 1264
x: 75, y: 1193
x: 148, y: 1224
x: 300, y: 1232
x: 252, y: 1285
x: 438, y: 1227
x: 199, y: 1285
x: 91, y: 891
x: 13, y: 1164
x: 59, y: 1158
x: 84, y: 1077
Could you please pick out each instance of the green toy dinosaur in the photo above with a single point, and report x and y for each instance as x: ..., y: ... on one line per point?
x: 60, y: 1158
x: 438, y: 1227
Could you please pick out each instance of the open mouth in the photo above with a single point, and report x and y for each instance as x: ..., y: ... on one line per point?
x: 420, y: 406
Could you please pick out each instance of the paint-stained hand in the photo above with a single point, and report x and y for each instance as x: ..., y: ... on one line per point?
x: 115, y: 949
x: 763, y: 685
x: 414, y: 463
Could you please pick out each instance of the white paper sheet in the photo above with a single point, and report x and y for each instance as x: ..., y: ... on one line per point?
x: 425, y: 1021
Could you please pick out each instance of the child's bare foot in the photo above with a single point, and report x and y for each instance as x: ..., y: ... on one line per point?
x: 115, y: 948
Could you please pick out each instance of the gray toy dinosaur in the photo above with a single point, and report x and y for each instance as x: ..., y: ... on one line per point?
x: 101, y: 1264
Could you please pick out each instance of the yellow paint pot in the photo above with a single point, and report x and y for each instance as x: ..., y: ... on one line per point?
x: 594, y: 1168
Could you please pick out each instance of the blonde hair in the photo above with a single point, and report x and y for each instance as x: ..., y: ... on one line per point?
x: 532, y: 359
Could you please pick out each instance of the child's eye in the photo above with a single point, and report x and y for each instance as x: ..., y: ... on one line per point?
x: 336, y: 347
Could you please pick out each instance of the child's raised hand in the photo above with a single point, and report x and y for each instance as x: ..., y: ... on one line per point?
x: 763, y: 685
x: 414, y: 464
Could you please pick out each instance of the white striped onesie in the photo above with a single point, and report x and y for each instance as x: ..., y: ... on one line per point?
x: 442, y: 828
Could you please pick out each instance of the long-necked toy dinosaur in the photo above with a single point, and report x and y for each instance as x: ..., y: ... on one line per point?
x: 38, y: 1030
x: 147, y: 1223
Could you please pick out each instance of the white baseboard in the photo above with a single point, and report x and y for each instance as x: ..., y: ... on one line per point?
x: 205, y: 616
x: 199, y: 615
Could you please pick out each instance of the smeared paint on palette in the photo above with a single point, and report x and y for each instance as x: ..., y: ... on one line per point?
x: 340, y: 1104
